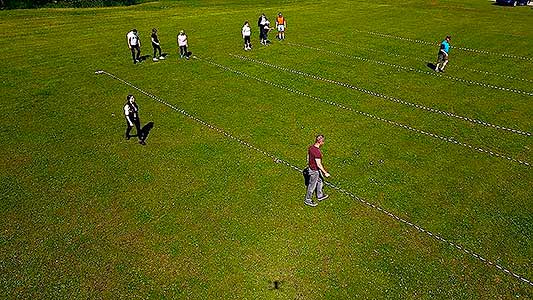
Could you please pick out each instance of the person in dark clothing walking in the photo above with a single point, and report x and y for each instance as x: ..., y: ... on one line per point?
x: 131, y: 112
x: 156, y: 45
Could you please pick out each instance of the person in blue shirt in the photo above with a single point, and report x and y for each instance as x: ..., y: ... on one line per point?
x: 442, y: 58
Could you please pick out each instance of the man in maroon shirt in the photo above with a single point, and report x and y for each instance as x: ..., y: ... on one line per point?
x: 316, y: 171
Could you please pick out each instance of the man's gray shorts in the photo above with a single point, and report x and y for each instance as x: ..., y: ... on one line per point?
x: 441, y: 58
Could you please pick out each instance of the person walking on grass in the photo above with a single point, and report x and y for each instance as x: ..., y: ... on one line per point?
x: 442, y: 57
x: 316, y: 173
x: 134, y: 43
x: 183, y: 43
x: 246, y: 33
x: 281, y: 25
x: 131, y: 112
x: 156, y: 45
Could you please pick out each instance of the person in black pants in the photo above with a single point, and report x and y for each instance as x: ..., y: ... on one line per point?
x: 134, y: 43
x: 131, y: 112
x: 156, y: 45
x: 261, y: 24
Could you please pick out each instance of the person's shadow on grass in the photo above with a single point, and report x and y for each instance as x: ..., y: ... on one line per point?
x: 432, y: 66
x: 146, y: 130
x: 144, y: 57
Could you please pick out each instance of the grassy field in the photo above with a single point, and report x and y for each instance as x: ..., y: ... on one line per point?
x: 196, y: 215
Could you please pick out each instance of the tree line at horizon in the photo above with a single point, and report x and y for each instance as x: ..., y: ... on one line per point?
x: 15, y: 4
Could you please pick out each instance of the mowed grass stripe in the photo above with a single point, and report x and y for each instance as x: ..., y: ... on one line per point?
x: 192, y: 223
x: 379, y: 95
x: 411, y: 69
x: 347, y: 46
x: 428, y: 90
x: 432, y: 135
x: 384, y: 35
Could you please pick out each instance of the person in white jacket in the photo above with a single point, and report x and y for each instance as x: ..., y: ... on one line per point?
x: 134, y: 43
x: 183, y: 43
x: 246, y: 33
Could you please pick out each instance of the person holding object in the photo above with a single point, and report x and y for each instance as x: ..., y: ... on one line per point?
x: 183, y: 44
x: 246, y: 33
x: 442, y: 58
x: 263, y: 24
x: 316, y: 171
x: 156, y: 45
x: 131, y: 112
x: 134, y: 43
x: 266, y: 30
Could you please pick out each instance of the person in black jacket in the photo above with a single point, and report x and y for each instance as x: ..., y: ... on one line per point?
x: 262, y: 23
x: 131, y: 112
x: 156, y: 45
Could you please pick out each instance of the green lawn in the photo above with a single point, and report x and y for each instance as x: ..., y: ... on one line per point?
x: 197, y: 215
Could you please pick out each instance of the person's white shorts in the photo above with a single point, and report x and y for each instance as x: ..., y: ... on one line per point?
x: 281, y: 27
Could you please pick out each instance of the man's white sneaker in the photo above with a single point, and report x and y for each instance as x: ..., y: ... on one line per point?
x: 323, y: 198
x: 310, y: 203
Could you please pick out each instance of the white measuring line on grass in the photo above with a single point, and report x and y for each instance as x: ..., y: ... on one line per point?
x: 442, y: 138
x: 339, y: 189
x: 453, y: 47
x: 453, y: 66
x: 410, y: 69
x: 375, y: 94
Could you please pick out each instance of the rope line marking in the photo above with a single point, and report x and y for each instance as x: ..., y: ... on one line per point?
x: 437, y: 43
x: 341, y: 106
x: 339, y: 189
x: 453, y: 66
x: 389, y: 98
x: 410, y: 69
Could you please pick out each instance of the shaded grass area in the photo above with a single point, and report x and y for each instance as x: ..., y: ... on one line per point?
x: 194, y: 215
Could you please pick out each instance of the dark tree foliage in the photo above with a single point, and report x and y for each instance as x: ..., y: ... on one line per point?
x: 12, y: 4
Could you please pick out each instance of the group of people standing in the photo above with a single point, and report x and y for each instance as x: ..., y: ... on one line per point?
x: 315, y: 172
x: 264, y: 28
x: 134, y: 44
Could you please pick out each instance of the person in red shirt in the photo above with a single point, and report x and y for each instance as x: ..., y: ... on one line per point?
x: 316, y: 171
